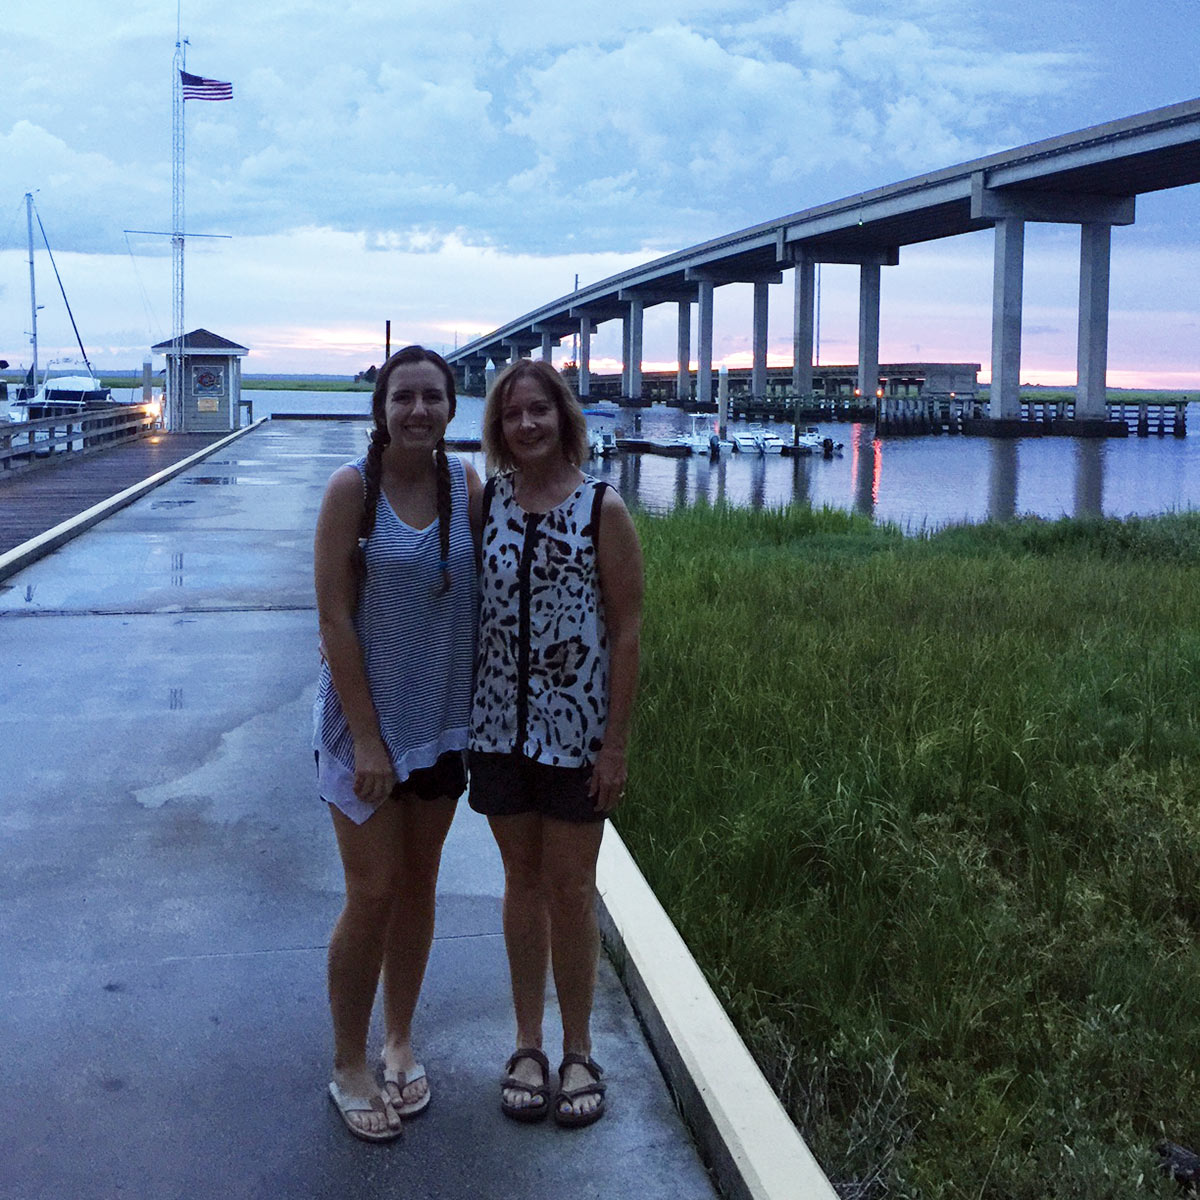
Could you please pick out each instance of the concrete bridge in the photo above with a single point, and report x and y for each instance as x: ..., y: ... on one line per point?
x: 1089, y: 178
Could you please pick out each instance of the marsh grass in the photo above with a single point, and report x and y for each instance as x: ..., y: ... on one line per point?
x: 926, y: 811
x: 253, y: 383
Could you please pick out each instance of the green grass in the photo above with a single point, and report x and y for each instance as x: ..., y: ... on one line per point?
x: 1049, y: 395
x: 252, y: 384
x: 927, y: 812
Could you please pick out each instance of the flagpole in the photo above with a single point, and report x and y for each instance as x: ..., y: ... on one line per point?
x: 175, y: 374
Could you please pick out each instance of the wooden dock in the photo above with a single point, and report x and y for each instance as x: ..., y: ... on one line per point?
x: 31, y: 502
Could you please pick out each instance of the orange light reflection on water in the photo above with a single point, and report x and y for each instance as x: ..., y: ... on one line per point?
x: 856, y: 466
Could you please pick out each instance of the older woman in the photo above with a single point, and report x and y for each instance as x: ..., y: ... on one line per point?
x: 396, y: 596
x: 561, y: 598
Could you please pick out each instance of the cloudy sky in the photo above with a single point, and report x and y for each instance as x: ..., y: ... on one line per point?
x: 451, y: 164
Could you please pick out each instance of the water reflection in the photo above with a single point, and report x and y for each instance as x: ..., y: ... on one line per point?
x: 1089, y: 477
x: 914, y: 482
x: 1002, y: 480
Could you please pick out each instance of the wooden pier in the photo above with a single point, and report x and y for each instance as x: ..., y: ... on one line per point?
x: 32, y: 502
x: 1039, y: 418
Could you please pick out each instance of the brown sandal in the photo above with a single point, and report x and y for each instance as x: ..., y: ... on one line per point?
x: 539, y: 1104
x: 571, y: 1119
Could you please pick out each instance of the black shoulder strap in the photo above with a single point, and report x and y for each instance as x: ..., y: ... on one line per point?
x: 597, y: 505
x: 489, y: 490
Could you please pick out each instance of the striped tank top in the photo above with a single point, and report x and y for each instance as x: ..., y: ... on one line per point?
x: 418, y: 646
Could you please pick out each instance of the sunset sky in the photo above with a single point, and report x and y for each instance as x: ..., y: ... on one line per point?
x: 450, y: 165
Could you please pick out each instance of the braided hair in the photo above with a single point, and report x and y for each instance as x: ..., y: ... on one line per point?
x: 379, y: 441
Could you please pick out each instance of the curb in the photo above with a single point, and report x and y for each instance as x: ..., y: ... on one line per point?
x: 744, y: 1135
x: 28, y: 552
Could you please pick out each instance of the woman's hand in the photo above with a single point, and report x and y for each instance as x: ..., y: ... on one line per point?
x: 607, y: 786
x: 374, y: 777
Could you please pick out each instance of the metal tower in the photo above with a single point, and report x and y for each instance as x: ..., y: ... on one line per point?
x: 175, y: 372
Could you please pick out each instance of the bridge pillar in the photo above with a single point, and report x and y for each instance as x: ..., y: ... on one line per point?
x: 803, y: 321
x: 548, y: 341
x: 758, y: 370
x: 585, y: 356
x: 632, y: 329
x: 704, y: 332
x: 868, y: 329
x: 683, y: 347
x: 1004, y: 394
x: 1091, y: 394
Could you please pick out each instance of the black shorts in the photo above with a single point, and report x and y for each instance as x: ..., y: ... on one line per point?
x: 506, y: 785
x: 446, y: 778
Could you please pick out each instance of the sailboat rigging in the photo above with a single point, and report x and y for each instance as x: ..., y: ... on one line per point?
x: 56, y: 395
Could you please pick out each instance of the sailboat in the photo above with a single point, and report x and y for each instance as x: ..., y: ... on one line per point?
x: 59, y: 394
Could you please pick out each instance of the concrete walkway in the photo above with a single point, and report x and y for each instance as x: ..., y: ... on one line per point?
x: 170, y: 881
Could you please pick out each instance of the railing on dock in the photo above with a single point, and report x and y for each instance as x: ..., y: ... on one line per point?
x: 809, y: 406
x: 25, y: 444
x: 1039, y: 416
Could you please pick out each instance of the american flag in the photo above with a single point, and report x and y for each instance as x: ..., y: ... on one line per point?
x: 196, y: 87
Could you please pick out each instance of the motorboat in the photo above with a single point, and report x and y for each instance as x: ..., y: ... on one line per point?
x: 813, y: 441
x: 810, y: 441
x: 601, y: 443
x: 769, y: 443
x: 757, y: 441
x: 59, y: 395
x: 704, y: 440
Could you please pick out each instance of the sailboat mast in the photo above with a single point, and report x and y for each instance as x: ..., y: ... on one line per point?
x: 32, y: 287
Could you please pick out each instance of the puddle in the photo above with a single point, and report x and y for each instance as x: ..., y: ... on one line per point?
x: 236, y: 479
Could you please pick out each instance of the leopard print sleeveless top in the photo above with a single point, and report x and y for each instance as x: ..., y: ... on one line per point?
x: 542, y: 665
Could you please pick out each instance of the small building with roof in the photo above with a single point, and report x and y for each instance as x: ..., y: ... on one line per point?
x: 209, y: 392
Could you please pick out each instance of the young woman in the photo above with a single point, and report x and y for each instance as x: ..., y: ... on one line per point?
x: 396, y: 596
x: 561, y: 597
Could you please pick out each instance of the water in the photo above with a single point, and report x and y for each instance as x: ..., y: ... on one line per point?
x: 917, y: 483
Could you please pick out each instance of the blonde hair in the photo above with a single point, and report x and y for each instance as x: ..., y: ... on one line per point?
x: 572, y: 424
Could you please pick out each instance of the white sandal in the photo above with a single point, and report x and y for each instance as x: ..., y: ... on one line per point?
x: 347, y: 1104
x: 400, y: 1080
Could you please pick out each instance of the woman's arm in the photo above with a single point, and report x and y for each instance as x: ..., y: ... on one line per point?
x: 337, y: 593
x: 619, y: 562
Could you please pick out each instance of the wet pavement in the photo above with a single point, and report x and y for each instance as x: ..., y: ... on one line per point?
x: 170, y: 880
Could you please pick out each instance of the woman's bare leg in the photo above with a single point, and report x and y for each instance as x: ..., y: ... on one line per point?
x: 370, y: 854
x: 423, y: 828
x: 526, y: 936
x: 570, y: 851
